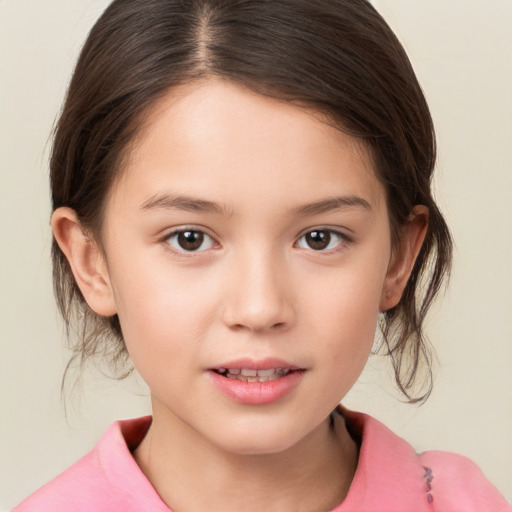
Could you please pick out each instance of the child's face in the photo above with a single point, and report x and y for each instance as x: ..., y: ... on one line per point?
x: 282, y: 262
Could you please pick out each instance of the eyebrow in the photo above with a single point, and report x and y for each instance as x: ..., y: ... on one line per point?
x: 186, y: 203
x: 332, y: 203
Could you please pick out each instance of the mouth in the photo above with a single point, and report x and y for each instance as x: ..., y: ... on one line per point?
x: 253, y: 375
x: 256, y: 381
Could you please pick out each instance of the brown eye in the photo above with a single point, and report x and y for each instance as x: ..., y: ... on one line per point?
x: 190, y: 240
x: 320, y: 240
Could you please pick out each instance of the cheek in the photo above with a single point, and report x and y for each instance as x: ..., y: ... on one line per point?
x: 345, y: 313
x: 162, y: 311
x: 350, y: 297
x: 348, y: 332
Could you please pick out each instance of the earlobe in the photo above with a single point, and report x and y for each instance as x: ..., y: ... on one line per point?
x: 404, y: 256
x: 86, y: 261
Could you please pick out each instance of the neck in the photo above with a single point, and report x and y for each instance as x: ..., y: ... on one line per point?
x: 191, y: 474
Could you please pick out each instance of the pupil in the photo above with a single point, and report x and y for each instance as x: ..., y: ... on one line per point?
x: 318, y: 240
x: 190, y: 240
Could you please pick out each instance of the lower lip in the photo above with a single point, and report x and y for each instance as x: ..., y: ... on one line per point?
x: 257, y: 393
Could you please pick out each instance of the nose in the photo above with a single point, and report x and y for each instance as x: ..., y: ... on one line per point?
x: 260, y: 295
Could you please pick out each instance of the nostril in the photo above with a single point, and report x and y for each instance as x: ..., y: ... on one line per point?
x: 273, y: 327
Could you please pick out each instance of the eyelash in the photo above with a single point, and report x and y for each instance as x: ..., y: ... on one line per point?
x: 340, y: 239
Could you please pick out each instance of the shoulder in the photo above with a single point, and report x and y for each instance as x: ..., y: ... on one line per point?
x: 107, y: 479
x: 457, y: 483
x: 392, y: 476
x: 72, y: 489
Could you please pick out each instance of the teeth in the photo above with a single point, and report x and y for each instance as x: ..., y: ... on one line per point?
x: 266, y: 373
x: 251, y: 375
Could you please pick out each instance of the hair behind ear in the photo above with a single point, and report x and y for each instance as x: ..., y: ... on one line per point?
x: 403, y: 338
x: 86, y: 302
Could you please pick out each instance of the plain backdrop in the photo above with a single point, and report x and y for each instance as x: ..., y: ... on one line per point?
x: 462, y: 52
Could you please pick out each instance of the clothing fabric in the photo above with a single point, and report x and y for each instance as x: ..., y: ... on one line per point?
x: 390, y: 477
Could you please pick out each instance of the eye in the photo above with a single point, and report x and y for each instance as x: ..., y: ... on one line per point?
x: 190, y: 240
x: 321, y: 240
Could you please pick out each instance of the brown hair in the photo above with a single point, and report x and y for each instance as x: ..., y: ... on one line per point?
x: 338, y: 57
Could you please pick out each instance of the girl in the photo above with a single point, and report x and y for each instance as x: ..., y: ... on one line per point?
x: 240, y: 190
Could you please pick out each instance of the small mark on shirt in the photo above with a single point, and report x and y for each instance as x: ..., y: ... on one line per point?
x: 428, y: 477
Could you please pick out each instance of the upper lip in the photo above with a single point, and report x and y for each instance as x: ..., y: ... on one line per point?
x: 267, y: 363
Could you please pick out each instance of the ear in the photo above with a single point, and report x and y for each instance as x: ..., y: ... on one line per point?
x: 403, y: 257
x: 86, y: 260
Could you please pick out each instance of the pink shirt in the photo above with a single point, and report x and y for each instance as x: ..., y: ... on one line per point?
x: 390, y: 477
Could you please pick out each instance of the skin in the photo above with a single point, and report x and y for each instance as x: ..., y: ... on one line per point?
x: 254, y: 289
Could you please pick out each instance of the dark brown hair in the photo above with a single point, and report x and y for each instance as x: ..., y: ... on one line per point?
x: 338, y: 57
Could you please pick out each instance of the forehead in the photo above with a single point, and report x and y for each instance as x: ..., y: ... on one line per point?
x: 226, y: 141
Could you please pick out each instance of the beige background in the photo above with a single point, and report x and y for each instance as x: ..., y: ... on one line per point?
x: 462, y: 51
